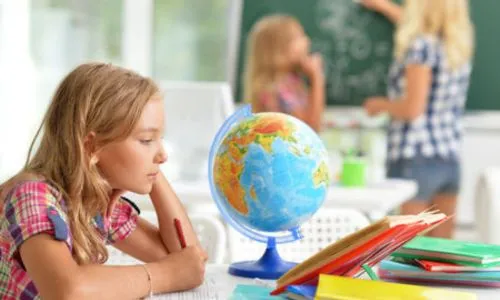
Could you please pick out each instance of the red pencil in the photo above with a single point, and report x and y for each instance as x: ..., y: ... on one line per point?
x: 180, y: 233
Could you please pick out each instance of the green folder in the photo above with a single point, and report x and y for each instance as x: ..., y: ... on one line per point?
x: 446, y: 250
x: 253, y: 292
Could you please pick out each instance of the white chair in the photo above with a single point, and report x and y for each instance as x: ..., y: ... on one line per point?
x: 212, y: 235
x: 324, y: 228
x: 209, y: 229
x: 487, y: 206
x: 194, y: 112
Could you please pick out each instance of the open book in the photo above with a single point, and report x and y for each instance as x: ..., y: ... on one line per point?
x: 367, y: 246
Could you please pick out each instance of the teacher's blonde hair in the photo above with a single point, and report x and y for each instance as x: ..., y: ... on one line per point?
x: 447, y: 19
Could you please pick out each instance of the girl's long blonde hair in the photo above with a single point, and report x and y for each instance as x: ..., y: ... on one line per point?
x: 266, y: 54
x: 447, y: 19
x: 100, y: 98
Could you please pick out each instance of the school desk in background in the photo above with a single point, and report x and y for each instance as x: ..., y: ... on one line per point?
x: 367, y: 246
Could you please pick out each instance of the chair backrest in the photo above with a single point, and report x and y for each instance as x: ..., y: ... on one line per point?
x: 212, y: 235
x: 487, y: 206
x: 194, y: 111
x: 324, y: 228
x: 209, y: 229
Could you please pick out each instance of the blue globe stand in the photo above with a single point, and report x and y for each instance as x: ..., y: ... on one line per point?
x: 269, y: 266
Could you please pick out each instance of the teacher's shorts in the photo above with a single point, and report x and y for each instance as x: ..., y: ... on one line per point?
x: 434, y: 175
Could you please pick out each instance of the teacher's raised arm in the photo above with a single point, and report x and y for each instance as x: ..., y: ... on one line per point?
x: 388, y: 8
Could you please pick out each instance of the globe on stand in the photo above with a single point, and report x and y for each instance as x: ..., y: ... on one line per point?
x: 268, y: 174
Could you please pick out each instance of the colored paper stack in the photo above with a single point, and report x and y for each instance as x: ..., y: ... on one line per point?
x: 332, y: 287
x: 444, y: 261
x: 366, y: 247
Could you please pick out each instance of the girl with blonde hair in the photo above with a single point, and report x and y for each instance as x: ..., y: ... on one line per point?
x: 101, y: 136
x: 277, y: 60
x: 427, y: 90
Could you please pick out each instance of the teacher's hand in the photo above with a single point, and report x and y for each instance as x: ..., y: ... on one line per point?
x: 375, y: 5
x: 376, y: 105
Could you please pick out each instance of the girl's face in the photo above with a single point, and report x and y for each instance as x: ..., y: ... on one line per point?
x: 299, y: 45
x: 133, y: 164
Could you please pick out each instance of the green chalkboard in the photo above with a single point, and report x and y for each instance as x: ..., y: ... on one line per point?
x: 484, y: 91
x: 356, y: 44
x: 357, y: 47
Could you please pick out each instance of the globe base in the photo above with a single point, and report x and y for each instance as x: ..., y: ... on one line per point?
x: 269, y: 266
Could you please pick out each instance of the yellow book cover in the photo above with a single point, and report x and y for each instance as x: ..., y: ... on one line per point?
x: 332, y: 287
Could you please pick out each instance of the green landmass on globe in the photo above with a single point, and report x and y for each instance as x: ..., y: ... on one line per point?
x: 271, y: 171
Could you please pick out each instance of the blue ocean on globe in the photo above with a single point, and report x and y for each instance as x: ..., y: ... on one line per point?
x: 284, y: 187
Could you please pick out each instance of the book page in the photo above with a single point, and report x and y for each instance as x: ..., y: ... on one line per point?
x: 218, y: 285
x: 209, y: 290
x: 334, y: 250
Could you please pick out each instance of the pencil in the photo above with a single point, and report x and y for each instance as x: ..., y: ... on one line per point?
x: 180, y: 233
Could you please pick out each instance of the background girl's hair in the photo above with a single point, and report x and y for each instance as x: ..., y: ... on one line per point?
x: 100, y: 98
x: 265, y: 59
x: 448, y: 19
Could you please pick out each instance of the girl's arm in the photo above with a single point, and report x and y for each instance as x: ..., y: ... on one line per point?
x: 168, y: 207
x: 144, y: 243
x: 389, y: 9
x: 312, y: 66
x: 316, y: 102
x: 418, y: 79
x: 57, y: 276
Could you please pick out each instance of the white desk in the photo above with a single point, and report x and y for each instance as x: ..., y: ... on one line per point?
x: 219, y: 285
x: 374, y: 200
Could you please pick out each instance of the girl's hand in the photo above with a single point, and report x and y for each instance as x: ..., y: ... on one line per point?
x: 376, y: 105
x: 312, y: 66
x: 375, y: 5
x: 186, y: 268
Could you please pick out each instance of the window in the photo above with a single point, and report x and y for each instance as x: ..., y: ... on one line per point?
x: 65, y: 33
x: 42, y: 40
x: 190, y: 39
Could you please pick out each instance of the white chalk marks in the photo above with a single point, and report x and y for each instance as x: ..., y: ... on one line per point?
x: 355, y: 62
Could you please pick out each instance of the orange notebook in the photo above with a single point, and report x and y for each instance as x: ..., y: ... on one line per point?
x: 367, y: 246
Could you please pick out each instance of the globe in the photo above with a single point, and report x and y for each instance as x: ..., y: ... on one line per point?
x: 268, y: 173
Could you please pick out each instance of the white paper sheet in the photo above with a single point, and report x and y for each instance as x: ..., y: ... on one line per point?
x: 207, y: 291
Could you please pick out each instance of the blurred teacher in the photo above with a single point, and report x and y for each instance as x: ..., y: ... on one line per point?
x: 427, y: 90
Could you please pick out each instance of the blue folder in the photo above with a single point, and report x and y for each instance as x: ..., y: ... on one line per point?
x: 306, y: 291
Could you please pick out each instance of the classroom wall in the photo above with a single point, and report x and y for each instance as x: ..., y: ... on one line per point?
x: 18, y: 113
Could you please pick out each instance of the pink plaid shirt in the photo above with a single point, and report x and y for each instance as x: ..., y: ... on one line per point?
x: 32, y: 207
x: 290, y: 92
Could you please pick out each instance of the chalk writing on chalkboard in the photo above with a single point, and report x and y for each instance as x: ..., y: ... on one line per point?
x: 345, y: 42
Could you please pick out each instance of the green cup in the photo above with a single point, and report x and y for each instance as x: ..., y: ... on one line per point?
x: 353, y: 172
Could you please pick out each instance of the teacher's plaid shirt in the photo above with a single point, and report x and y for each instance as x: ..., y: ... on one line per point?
x: 437, y: 132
